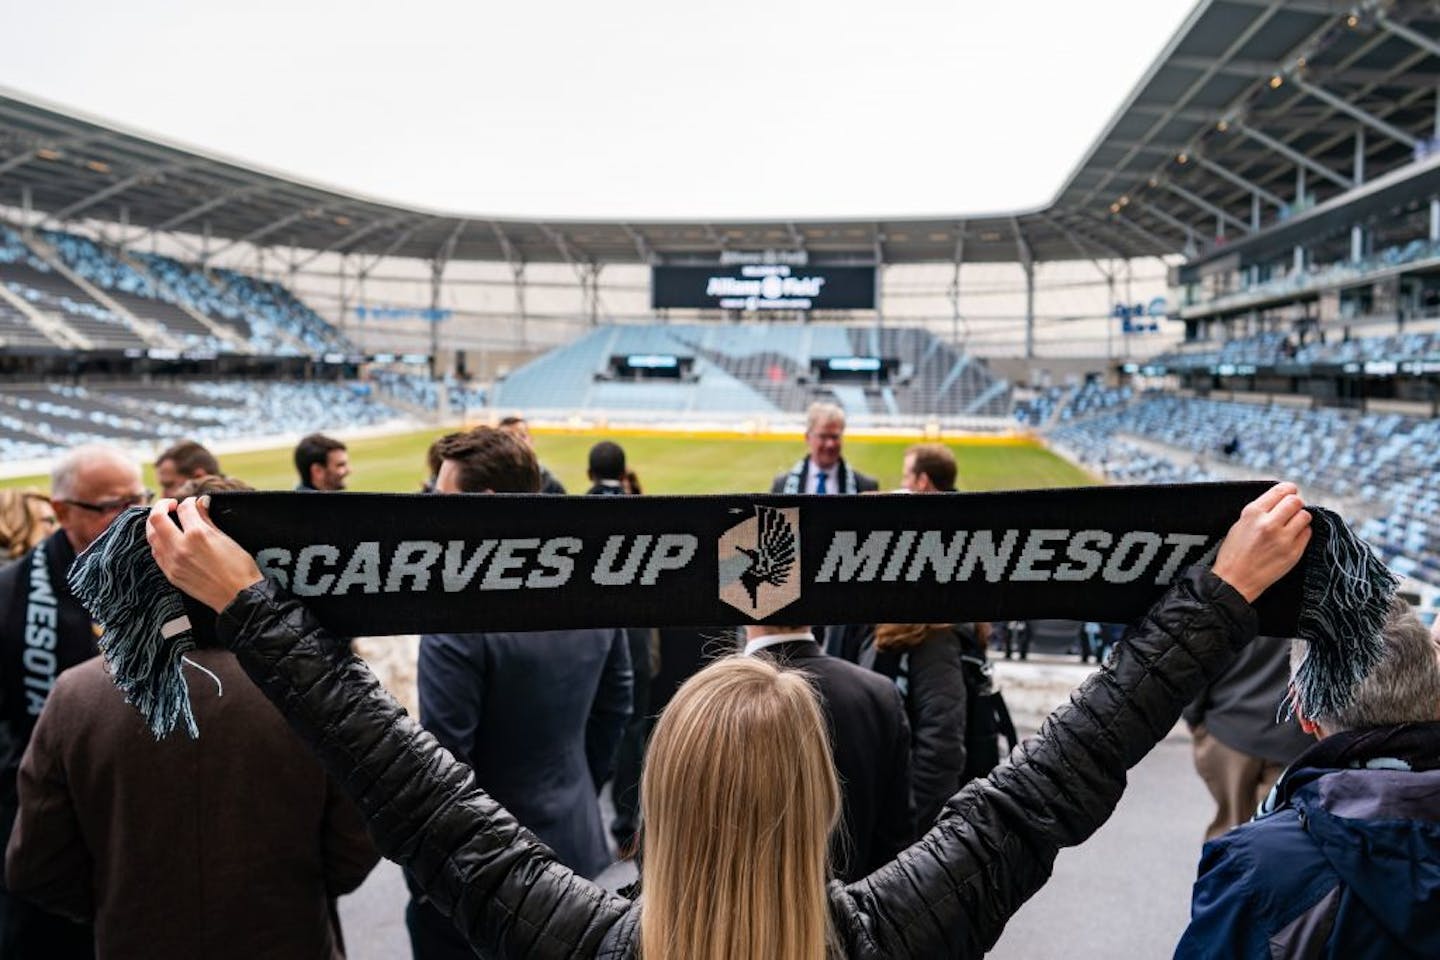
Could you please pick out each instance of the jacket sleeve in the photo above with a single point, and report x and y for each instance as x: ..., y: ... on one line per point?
x: 349, y: 853
x: 937, y: 724
x: 610, y: 710
x: 501, y: 886
x: 1223, y: 918
x: 450, y: 684
x: 953, y: 891
x: 47, y: 861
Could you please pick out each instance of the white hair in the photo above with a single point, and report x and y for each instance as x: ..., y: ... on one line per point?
x: 821, y: 413
x: 67, y: 468
x: 1404, y: 687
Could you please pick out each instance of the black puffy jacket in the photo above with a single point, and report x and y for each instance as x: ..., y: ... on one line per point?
x: 948, y: 895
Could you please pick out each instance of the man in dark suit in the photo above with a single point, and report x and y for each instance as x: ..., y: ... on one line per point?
x: 823, y: 470
x: 871, y: 742
x: 43, y: 631
x: 538, y: 716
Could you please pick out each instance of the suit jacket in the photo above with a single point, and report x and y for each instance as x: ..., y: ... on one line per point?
x: 871, y: 741
x: 863, y: 482
x: 232, y: 845
x: 538, y: 717
x: 35, y: 646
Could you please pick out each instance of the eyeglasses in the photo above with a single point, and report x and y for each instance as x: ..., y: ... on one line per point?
x: 112, y: 506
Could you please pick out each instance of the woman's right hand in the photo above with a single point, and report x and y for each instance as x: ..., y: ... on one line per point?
x: 1265, y: 543
x: 196, y: 556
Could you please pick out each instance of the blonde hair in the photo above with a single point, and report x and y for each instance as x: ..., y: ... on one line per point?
x: 26, y: 518
x: 738, y: 799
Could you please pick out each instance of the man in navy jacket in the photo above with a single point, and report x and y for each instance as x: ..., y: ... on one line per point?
x: 1344, y: 858
x: 537, y: 716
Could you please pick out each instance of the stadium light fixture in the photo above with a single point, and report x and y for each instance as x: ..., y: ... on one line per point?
x: 1352, y: 21
x: 1276, y: 81
x: 1223, y: 125
x: 1183, y: 159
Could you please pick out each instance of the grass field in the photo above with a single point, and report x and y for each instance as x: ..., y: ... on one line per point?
x: 665, y: 464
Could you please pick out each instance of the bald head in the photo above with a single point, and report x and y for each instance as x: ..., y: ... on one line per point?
x: 90, y: 486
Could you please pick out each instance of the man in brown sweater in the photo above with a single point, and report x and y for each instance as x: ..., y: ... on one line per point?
x: 232, y: 845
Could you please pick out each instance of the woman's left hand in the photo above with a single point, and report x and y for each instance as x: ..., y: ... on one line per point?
x: 196, y: 556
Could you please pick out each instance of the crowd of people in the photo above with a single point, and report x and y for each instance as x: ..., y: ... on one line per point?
x: 806, y: 790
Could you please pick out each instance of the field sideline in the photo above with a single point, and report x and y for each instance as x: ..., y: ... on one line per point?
x: 675, y: 464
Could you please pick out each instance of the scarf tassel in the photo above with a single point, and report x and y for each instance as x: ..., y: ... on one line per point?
x: 146, y: 631
x: 1345, y: 599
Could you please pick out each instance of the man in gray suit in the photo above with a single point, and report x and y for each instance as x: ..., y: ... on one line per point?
x: 823, y: 470
x: 538, y: 716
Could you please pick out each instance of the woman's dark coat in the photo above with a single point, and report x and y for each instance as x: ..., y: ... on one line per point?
x: 948, y: 895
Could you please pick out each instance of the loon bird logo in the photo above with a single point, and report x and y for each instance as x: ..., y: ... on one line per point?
x: 758, y: 562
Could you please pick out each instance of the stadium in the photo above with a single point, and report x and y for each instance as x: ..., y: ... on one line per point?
x: 1239, y: 279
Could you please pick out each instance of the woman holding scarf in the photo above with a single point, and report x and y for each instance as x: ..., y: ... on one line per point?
x: 739, y: 794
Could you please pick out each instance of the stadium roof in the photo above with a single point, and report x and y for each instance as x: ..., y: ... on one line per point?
x: 1246, y: 93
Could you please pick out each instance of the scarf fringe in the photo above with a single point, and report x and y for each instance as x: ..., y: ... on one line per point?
x: 1345, y: 599
x: 146, y: 632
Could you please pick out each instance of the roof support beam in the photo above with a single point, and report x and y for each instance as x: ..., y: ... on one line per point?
x: 1080, y: 248
x: 1027, y: 263
x: 1325, y: 96
x: 720, y: 242
x: 1089, y: 236
x: 506, y: 247
x: 64, y: 143
x: 120, y: 186
x: 1150, y: 235
x: 394, y: 245
x: 447, y: 249
x: 1291, y: 154
x: 1294, y: 110
x: 204, y: 208
x: 561, y: 244
x: 262, y: 232
x: 1331, y: 7
x: 349, y: 238
x: 953, y: 291
x: 1186, y: 229
x: 1234, y: 47
x: 1239, y: 181
x: 642, y: 246
x: 1406, y: 33
x: 1198, y: 201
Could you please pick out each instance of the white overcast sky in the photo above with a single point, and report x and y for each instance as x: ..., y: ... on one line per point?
x: 625, y: 108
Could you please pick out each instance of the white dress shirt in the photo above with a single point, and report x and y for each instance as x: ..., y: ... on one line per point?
x: 754, y: 646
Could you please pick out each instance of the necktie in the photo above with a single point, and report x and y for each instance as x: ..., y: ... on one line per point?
x: 820, y: 479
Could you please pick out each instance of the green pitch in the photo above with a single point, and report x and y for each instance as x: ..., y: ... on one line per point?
x: 665, y: 464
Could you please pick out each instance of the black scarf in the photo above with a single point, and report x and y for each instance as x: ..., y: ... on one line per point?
x: 381, y: 563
